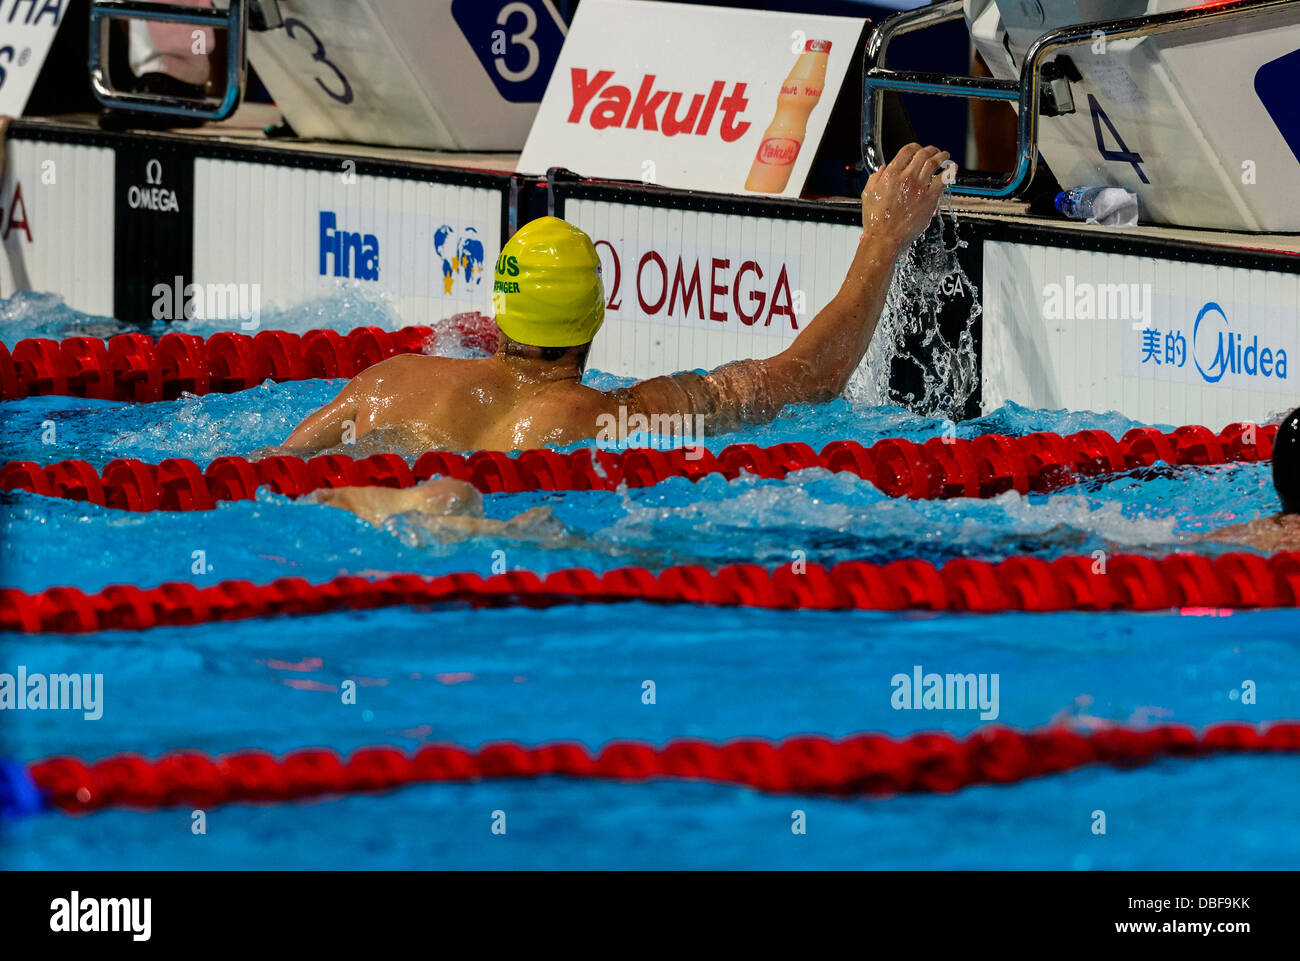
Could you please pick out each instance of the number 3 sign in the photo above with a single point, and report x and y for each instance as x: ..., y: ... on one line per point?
x: 517, y: 42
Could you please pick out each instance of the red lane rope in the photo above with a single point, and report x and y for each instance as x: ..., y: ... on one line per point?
x: 941, y: 467
x: 857, y: 765
x: 1123, y: 582
x: 135, y: 367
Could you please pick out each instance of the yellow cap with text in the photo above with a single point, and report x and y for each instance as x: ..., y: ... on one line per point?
x: 547, y: 290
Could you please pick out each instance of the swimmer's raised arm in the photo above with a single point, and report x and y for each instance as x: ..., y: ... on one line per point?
x: 897, y: 203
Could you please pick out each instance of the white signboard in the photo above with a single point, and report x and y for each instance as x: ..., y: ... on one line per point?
x: 300, y: 234
x: 687, y: 289
x: 1162, y: 341
x: 56, y: 222
x: 27, y: 29
x: 701, y: 98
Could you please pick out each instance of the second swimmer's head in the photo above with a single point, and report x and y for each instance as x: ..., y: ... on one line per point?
x: 547, y: 290
x: 1286, y: 462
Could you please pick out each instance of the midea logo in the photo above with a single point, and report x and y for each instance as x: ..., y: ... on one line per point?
x: 1218, y: 350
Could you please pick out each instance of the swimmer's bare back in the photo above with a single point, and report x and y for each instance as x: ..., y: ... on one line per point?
x: 518, y: 398
x: 501, y: 402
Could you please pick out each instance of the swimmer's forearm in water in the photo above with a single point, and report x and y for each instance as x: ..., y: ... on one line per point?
x: 899, y: 200
x: 451, y: 510
x: 438, y: 496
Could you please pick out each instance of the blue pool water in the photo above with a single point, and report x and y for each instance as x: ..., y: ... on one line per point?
x: 577, y: 673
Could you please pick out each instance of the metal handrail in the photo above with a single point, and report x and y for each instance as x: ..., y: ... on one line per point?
x: 234, y: 20
x: 1027, y: 92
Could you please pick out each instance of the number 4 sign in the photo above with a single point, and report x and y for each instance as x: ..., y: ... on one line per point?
x: 517, y: 42
x: 1122, y: 154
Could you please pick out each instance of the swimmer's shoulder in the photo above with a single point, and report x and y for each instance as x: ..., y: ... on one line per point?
x: 421, y: 367
x: 563, y: 415
x: 584, y: 399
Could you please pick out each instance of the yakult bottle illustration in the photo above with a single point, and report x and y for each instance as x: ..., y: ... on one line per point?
x: 782, y: 140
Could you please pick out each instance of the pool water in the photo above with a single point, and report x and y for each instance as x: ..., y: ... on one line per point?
x: 576, y: 673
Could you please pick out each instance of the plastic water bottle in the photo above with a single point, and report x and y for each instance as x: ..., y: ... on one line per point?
x: 1112, y: 206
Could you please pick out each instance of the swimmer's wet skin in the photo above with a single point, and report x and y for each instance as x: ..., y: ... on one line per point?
x: 1281, y: 532
x: 549, y: 303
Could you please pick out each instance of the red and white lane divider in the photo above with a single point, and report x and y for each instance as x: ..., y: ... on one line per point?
x: 136, y: 367
x: 938, y: 468
x: 1126, y: 582
x: 867, y: 764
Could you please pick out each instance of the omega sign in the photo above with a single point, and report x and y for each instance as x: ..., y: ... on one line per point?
x: 725, y: 288
x: 152, y: 196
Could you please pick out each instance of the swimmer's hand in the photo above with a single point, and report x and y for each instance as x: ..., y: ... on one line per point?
x: 900, y: 198
x: 537, y: 525
x: 1281, y: 532
x: 262, y: 453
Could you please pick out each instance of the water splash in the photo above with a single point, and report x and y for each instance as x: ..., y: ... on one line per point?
x: 928, y: 278
x: 31, y: 314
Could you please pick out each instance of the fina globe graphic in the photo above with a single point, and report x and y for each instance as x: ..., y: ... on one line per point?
x: 461, y: 254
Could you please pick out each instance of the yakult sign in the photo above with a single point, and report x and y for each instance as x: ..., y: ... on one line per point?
x: 668, y: 104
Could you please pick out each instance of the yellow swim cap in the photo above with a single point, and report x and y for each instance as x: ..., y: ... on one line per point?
x: 547, y: 291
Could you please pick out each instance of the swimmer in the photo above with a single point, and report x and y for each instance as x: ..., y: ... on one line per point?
x: 450, y: 510
x: 1281, y: 532
x: 549, y: 303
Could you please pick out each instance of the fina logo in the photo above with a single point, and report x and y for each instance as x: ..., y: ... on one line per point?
x: 461, y: 255
x: 352, y: 254
x: 1230, y: 355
